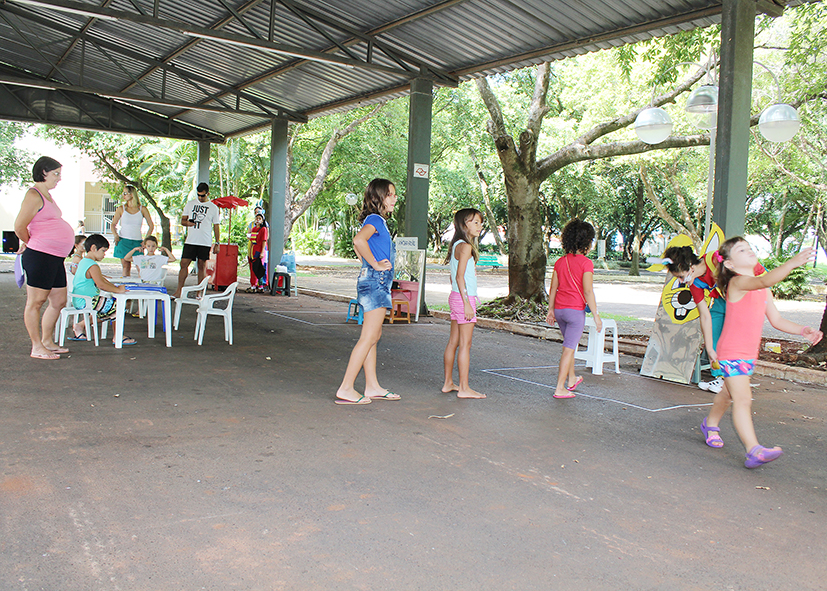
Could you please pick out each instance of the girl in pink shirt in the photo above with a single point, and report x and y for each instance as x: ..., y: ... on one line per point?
x: 570, y: 294
x: 748, y: 301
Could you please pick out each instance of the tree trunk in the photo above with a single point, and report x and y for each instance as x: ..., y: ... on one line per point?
x: 489, y: 213
x: 634, y: 271
x: 526, y: 243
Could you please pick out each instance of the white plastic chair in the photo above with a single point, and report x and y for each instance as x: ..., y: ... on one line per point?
x: 199, y: 292
x: 595, y: 354
x: 207, y: 307
x: 71, y: 312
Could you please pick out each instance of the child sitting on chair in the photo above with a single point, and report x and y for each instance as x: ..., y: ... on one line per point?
x: 89, y: 281
x: 77, y: 253
x: 151, y: 265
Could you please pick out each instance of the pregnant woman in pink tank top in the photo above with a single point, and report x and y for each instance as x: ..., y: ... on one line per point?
x: 48, y: 241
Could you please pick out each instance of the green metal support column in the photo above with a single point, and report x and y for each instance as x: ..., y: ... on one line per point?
x: 734, y: 102
x: 419, y: 163
x: 278, y: 192
x: 204, y: 164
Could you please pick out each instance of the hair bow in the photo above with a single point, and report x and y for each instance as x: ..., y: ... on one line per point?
x: 716, y: 256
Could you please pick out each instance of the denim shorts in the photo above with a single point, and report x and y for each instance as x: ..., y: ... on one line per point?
x: 373, y: 289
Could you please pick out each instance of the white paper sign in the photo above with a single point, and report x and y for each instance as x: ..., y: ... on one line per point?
x: 420, y: 171
x: 407, y: 242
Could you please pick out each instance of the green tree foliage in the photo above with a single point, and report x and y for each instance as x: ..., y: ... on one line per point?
x: 15, y: 164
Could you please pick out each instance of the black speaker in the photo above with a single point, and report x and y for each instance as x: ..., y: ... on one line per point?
x: 10, y: 241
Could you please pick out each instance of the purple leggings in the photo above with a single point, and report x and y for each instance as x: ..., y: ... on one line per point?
x: 571, y: 323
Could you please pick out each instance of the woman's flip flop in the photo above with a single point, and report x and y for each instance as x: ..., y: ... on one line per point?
x: 50, y: 356
x: 577, y: 383
x: 361, y: 400
x: 387, y: 396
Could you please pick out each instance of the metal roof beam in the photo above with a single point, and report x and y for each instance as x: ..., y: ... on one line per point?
x: 85, y: 111
x: 186, y: 76
x: 184, y: 28
x: 49, y: 85
x: 184, y: 47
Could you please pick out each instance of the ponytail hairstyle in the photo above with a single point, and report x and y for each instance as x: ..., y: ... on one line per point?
x: 681, y: 257
x: 134, y: 193
x: 461, y: 218
x: 725, y: 274
x: 577, y: 236
x: 374, y: 198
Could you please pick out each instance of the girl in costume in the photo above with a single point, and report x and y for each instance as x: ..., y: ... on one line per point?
x: 377, y: 251
x: 748, y: 301
x: 571, y: 291
x: 463, y: 255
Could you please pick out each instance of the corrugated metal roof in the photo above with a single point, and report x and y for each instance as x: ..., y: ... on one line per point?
x: 225, y: 71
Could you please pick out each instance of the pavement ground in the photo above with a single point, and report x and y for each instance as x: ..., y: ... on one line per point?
x: 229, y: 467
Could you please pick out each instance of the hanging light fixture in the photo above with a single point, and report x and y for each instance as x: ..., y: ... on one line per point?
x: 702, y: 107
x: 779, y: 123
x: 653, y: 125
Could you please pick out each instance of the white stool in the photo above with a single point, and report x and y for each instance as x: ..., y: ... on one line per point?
x: 595, y: 354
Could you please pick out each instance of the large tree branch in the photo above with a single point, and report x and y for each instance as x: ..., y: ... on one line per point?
x: 608, y: 127
x: 496, y: 125
x: 300, y: 206
x: 580, y: 152
x: 797, y: 178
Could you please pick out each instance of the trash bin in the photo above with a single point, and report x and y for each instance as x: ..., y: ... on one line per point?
x: 224, y: 266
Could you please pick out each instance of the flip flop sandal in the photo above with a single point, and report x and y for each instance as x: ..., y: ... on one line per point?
x: 572, y: 395
x: 59, y: 350
x: 574, y: 387
x: 51, y: 356
x: 78, y: 337
x: 361, y: 400
x: 387, y: 396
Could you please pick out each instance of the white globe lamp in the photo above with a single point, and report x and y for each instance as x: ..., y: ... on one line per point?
x: 653, y: 125
x: 779, y: 123
x: 702, y: 107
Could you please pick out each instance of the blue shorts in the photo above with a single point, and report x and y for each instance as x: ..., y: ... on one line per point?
x: 571, y: 322
x: 373, y: 289
x: 737, y: 367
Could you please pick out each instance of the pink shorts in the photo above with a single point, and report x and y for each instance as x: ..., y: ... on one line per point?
x: 457, y: 307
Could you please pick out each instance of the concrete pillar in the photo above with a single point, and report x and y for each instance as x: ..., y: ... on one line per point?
x: 204, y: 165
x: 734, y: 103
x: 419, y: 162
x: 278, y: 193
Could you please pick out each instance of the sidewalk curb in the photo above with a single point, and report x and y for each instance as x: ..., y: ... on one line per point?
x: 626, y: 346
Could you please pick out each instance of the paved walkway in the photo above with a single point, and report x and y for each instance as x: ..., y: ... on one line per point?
x: 229, y: 467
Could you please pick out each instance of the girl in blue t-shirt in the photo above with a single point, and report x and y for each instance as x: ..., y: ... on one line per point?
x: 377, y: 251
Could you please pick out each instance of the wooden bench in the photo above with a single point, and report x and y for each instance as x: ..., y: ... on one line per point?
x: 488, y: 260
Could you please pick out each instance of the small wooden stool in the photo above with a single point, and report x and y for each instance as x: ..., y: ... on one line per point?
x: 396, y: 310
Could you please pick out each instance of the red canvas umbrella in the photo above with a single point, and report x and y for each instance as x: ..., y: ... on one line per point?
x: 229, y: 202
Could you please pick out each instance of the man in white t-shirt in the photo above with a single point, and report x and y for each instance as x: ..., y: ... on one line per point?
x: 200, y: 217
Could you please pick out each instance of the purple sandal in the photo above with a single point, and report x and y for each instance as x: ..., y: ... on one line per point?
x: 760, y: 455
x: 711, y: 435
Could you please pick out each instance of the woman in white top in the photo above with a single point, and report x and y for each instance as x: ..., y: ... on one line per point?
x: 131, y: 216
